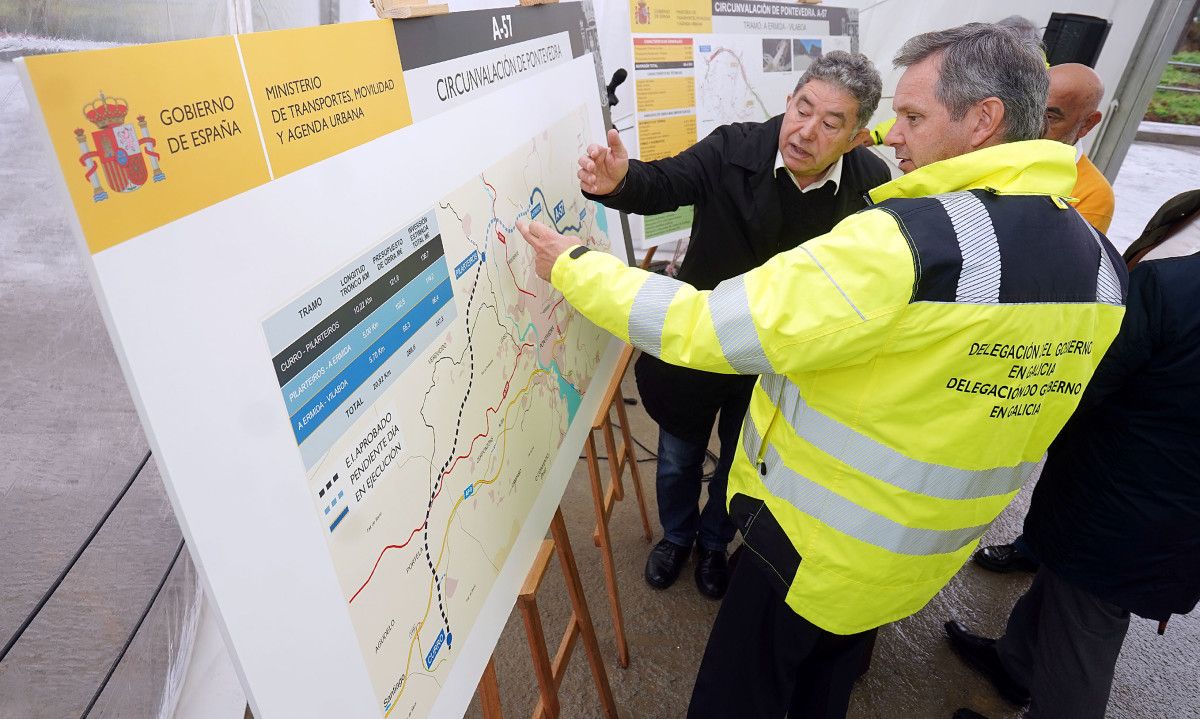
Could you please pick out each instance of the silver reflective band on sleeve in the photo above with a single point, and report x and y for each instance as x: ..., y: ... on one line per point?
x: 649, y: 312
x: 850, y: 519
x: 979, y: 280
x: 889, y: 466
x: 730, y: 310
x: 833, y: 282
x: 1108, y: 286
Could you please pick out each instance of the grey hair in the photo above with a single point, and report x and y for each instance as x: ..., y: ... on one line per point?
x: 982, y: 60
x: 855, y: 73
x: 1020, y: 25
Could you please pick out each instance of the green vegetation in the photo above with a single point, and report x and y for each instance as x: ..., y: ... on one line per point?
x: 1181, y: 108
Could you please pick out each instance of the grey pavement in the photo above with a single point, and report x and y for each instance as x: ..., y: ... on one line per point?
x: 69, y: 440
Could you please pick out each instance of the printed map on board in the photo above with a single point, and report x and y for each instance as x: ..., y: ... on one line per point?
x: 740, y: 79
x: 444, y: 384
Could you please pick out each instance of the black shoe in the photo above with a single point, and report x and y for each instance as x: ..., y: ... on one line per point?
x: 712, y: 572
x: 968, y: 714
x: 1004, y: 558
x: 665, y: 563
x: 980, y: 654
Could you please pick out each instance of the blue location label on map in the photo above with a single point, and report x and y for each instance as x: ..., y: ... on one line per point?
x: 470, y: 490
x: 537, y: 210
x: 433, y: 651
x: 466, y: 264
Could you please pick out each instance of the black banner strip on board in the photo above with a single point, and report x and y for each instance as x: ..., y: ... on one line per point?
x: 292, y: 361
x: 779, y: 10
x: 430, y: 40
x: 681, y: 65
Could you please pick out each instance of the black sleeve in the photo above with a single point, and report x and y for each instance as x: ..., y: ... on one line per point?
x: 672, y: 182
x: 1136, y: 342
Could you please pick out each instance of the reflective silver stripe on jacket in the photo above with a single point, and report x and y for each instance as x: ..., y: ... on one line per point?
x: 845, y: 516
x: 877, y: 460
x: 979, y: 280
x: 1108, y: 285
x: 730, y: 310
x: 649, y: 312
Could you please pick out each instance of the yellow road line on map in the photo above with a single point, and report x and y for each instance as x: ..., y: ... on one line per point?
x: 445, y: 536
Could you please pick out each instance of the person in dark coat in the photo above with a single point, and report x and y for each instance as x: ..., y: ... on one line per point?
x: 1115, y: 517
x: 758, y: 189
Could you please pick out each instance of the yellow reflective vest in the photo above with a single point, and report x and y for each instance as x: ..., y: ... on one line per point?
x: 915, y: 364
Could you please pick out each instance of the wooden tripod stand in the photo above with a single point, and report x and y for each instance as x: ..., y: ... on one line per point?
x: 603, y: 500
x: 550, y: 673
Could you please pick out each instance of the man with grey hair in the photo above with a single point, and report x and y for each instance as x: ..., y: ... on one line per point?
x: 915, y: 363
x: 758, y: 189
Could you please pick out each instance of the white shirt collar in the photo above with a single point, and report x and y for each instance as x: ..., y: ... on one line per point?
x: 832, y: 174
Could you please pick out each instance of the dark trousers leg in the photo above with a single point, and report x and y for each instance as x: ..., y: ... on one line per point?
x: 1064, y: 648
x: 1019, y: 643
x: 716, y: 528
x: 765, y: 661
x: 677, y: 482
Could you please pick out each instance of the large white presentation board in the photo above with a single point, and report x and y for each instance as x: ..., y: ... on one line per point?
x: 364, y: 403
x: 700, y: 64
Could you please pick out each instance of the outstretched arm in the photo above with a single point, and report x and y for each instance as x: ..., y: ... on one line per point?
x: 826, y: 303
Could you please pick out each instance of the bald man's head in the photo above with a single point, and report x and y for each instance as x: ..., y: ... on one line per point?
x: 1072, y: 106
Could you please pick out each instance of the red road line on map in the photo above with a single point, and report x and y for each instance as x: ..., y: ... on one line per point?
x: 500, y: 236
x: 510, y: 269
x: 442, y: 483
x: 494, y: 195
x: 380, y: 559
x: 487, y: 419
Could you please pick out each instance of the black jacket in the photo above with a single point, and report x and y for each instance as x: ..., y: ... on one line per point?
x: 1117, y: 508
x: 738, y: 225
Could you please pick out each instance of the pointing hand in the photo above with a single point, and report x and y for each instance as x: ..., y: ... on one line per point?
x: 547, y: 246
x: 602, y: 168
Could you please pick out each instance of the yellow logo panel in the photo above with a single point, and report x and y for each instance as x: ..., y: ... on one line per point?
x: 148, y: 134
x: 323, y: 90
x: 690, y: 16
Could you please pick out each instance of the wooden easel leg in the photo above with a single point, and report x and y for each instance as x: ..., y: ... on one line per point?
x: 547, y: 688
x: 604, y: 541
x: 631, y: 457
x: 489, y: 692
x: 614, y: 458
x: 566, y: 558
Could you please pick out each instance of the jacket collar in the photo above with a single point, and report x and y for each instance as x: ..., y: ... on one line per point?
x: 1030, y: 167
x: 758, y: 154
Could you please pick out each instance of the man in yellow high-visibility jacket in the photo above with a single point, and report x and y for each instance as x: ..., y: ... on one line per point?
x: 916, y: 362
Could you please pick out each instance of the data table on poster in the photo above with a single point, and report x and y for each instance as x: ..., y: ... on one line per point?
x: 338, y: 347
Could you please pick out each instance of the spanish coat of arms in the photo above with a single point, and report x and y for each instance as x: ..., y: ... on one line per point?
x: 119, y: 151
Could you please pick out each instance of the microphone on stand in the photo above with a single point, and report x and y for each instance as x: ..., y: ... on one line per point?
x: 617, y: 78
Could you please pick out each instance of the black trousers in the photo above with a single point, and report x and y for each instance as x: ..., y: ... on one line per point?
x: 764, y: 660
x: 1062, y: 643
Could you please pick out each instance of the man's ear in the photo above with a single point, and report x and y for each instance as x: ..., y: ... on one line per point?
x: 859, y: 138
x: 989, y: 121
x: 1091, y: 121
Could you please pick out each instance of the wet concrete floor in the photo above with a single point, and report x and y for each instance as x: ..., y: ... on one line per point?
x: 69, y: 440
x: 913, y: 672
